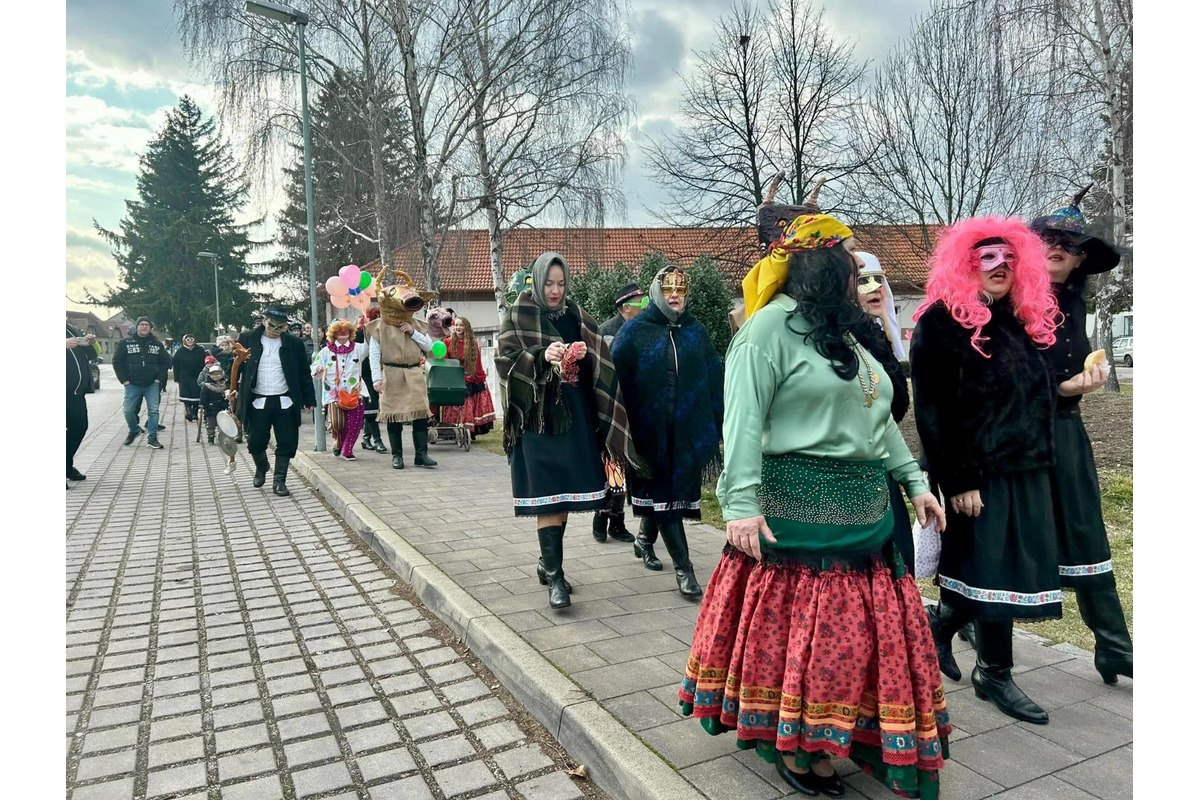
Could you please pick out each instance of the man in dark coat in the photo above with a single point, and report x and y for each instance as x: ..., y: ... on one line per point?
x: 80, y: 354
x: 610, y: 521
x: 273, y: 385
x: 141, y: 363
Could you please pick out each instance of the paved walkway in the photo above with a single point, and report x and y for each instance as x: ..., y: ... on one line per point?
x: 226, y: 643
x: 623, y: 643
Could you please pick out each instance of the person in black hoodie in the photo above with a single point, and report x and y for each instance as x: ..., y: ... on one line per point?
x: 80, y: 354
x: 141, y: 363
x: 273, y: 385
x: 188, y: 363
x: 984, y: 406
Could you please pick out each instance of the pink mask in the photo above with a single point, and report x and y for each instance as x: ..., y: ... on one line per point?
x: 993, y: 256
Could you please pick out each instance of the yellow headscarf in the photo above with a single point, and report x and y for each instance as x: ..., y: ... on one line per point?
x: 806, y: 232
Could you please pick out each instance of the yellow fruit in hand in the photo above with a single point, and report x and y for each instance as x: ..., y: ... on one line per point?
x: 1095, y: 358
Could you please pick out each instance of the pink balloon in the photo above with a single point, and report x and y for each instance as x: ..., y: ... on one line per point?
x: 336, y: 288
x: 350, y: 276
x: 340, y: 301
x: 369, y: 291
x: 361, y: 302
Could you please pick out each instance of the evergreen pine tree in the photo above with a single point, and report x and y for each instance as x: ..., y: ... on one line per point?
x: 189, y: 189
x: 343, y: 190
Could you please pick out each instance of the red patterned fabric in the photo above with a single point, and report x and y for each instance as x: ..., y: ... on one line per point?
x: 818, y: 659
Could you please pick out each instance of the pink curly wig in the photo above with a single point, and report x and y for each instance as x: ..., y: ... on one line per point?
x: 954, y: 278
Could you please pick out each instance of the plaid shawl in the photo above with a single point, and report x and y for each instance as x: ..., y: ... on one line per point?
x: 527, y: 381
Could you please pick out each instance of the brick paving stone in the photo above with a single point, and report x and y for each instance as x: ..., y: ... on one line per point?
x: 555, y: 786
x: 176, y: 779
x: 318, y: 780
x: 176, y: 751
x: 522, y: 760
x: 386, y: 764
x: 445, y: 750
x: 111, y: 739
x: 310, y: 751
x: 427, y: 725
x: 500, y: 734
x: 105, y: 791
x: 185, y: 725
x: 413, y: 788
x: 482, y: 711
x: 464, y: 778
x: 102, y: 766
x: 458, y: 693
x: 250, y: 762
x: 265, y: 788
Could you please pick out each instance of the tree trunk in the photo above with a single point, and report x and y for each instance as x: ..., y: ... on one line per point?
x: 383, y: 228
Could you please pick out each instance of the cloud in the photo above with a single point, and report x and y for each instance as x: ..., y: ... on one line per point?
x: 658, y: 49
x: 87, y: 239
x: 134, y: 42
x: 78, y: 183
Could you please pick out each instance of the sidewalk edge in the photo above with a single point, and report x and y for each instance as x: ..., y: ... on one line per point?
x: 617, y: 760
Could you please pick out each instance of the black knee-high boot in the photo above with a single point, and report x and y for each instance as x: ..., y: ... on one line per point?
x: 550, y: 541
x: 396, y: 437
x: 281, y: 469
x: 1100, y: 607
x: 944, y: 621
x: 643, y: 544
x: 992, y: 676
x: 261, y: 465
x: 675, y: 539
x: 421, y: 443
x: 379, y: 445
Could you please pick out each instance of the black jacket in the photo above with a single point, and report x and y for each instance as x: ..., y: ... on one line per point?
x: 141, y: 361
x: 224, y: 359
x: 79, y: 366
x: 295, y: 370
x: 1071, y: 347
x: 612, y: 326
x: 188, y: 364
x: 977, y: 416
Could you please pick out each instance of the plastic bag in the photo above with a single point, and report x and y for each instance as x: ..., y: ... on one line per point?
x: 927, y: 547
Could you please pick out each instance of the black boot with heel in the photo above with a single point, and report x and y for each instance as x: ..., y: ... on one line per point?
x: 944, y: 622
x: 643, y: 544
x: 550, y: 541
x: 261, y: 465
x: 992, y: 676
x: 1100, y: 607
x: 676, y: 541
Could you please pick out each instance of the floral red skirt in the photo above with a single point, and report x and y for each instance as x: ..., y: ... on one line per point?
x: 829, y: 656
x: 477, y: 410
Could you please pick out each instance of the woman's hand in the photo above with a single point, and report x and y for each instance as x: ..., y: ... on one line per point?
x: 554, y: 353
x: 968, y: 503
x: 1087, y: 381
x: 926, y: 505
x: 743, y: 534
x: 378, y: 387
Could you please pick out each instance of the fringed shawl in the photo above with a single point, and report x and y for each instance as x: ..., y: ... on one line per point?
x: 531, y: 389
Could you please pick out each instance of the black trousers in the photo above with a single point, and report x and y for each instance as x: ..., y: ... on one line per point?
x: 284, y: 421
x: 77, y: 425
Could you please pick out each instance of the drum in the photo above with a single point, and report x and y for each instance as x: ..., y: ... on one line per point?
x: 228, y: 424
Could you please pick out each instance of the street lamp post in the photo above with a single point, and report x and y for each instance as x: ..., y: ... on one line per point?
x: 216, y: 288
x: 288, y: 15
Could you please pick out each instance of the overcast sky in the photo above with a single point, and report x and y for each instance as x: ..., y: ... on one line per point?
x: 125, y: 69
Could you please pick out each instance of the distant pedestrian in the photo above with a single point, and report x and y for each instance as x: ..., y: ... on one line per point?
x: 187, y: 364
x: 273, y: 385
x: 477, y: 411
x: 141, y: 363
x: 81, y: 352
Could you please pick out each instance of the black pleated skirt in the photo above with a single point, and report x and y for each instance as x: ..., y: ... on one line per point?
x: 902, y: 538
x: 552, y: 473
x: 1003, y: 564
x: 1083, y: 552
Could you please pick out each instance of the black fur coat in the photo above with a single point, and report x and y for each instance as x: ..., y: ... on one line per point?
x: 977, y: 416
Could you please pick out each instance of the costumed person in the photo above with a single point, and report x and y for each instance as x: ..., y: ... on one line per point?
x: 875, y: 297
x: 213, y: 383
x: 984, y: 410
x: 141, y: 364
x: 477, y: 409
x: 670, y: 376
x: 340, y: 364
x: 187, y: 364
x: 273, y: 385
x: 610, y: 520
x: 398, y: 343
x: 1085, y: 560
x: 81, y: 352
x: 372, y: 440
x: 563, y: 410
x: 222, y: 351
x: 812, y: 638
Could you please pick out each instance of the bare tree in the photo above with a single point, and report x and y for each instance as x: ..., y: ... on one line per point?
x: 546, y: 78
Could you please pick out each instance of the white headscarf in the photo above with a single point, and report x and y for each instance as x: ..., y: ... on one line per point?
x: 890, y: 322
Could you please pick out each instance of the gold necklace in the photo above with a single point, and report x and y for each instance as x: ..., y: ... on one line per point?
x: 870, y: 386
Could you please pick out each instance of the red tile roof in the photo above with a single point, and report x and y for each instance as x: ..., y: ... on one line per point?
x: 464, y: 266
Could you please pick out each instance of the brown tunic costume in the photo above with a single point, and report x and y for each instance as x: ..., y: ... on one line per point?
x: 405, y: 395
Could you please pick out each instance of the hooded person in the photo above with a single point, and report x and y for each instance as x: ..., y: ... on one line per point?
x: 273, y: 386
x: 984, y: 408
x: 671, y: 379
x: 187, y: 363
x: 564, y: 413
x: 398, y: 344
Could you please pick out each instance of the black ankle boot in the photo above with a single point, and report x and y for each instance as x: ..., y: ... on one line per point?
x: 281, y: 469
x: 421, y: 444
x: 545, y: 581
x: 599, y: 527
x: 675, y: 539
x: 967, y: 633
x: 643, y: 544
x: 941, y: 622
x: 396, y: 437
x: 550, y: 540
x: 617, y: 529
x: 261, y: 465
x: 1100, y: 607
x: 996, y: 684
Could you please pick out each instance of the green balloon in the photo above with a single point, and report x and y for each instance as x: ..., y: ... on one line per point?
x: 439, y: 349
x: 365, y: 280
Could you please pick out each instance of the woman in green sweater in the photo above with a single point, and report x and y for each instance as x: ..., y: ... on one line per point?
x: 812, y: 638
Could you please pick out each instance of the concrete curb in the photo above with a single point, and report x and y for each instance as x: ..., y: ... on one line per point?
x: 617, y: 760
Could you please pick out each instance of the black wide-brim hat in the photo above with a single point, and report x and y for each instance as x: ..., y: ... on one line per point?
x: 1101, y: 256
x: 276, y: 313
x: 628, y: 292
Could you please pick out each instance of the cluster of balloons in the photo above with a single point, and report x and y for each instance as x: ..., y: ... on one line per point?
x: 351, y: 287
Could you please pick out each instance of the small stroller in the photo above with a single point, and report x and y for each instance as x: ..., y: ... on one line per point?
x: 448, y: 388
